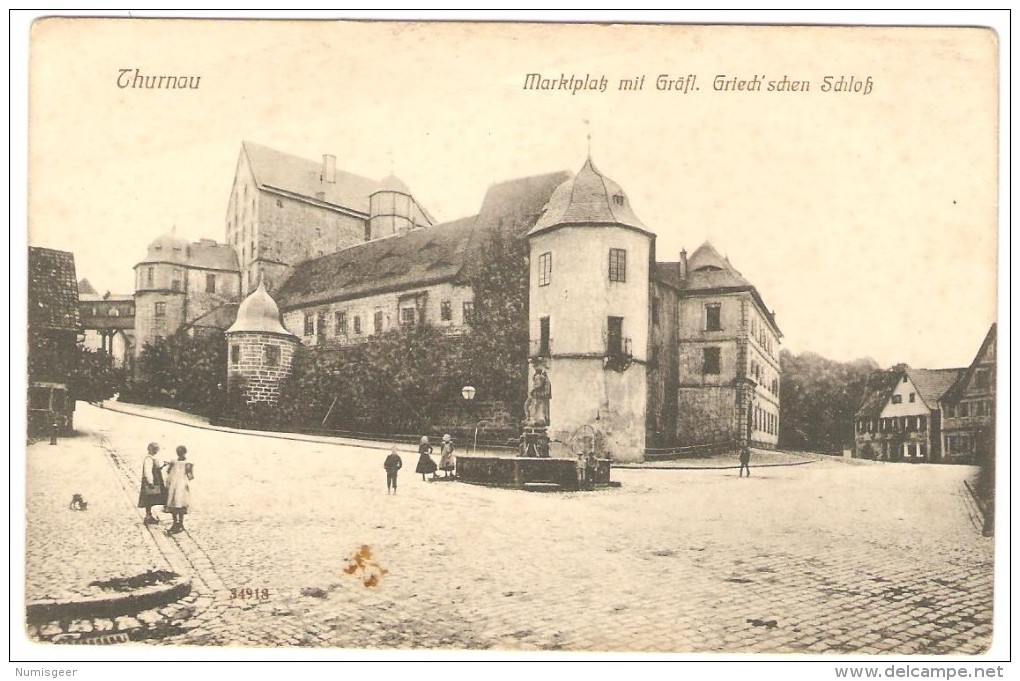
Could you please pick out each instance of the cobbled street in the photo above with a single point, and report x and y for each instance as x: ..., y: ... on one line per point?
x: 827, y: 557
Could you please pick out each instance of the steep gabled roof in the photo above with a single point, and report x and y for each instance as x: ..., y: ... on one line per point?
x: 877, y: 390
x: 52, y: 290
x: 301, y: 177
x: 932, y: 384
x: 964, y: 380
x: 421, y: 257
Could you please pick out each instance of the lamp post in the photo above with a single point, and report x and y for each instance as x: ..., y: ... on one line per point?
x: 468, y: 392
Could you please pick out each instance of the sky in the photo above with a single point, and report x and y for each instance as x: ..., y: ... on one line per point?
x: 867, y: 222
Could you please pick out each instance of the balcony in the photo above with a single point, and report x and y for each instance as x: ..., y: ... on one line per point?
x: 619, y: 353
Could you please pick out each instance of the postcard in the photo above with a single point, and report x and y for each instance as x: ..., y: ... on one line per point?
x: 524, y: 338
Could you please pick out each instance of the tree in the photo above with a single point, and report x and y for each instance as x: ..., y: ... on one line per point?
x: 94, y: 378
x: 819, y: 399
x: 184, y: 372
x: 498, y: 345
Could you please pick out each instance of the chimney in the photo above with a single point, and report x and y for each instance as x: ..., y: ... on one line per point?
x: 683, y: 264
x: 328, y: 168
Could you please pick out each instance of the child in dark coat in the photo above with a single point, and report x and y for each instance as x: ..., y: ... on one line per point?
x: 425, y: 462
x: 392, y: 464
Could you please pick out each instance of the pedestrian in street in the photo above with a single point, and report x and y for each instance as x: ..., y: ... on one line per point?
x: 745, y: 461
x: 447, y: 461
x: 581, y: 466
x: 392, y: 464
x: 153, y: 489
x: 425, y: 463
x: 178, y: 489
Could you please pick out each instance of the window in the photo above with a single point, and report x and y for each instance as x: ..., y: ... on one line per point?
x: 904, y: 378
x: 913, y: 397
x: 309, y: 324
x: 445, y: 311
x: 407, y: 316
x: 713, y: 314
x: 341, y: 323
x: 544, y: 269
x: 614, y: 337
x: 175, y: 285
x: 911, y: 451
x: 279, y: 203
x: 543, y: 337
x: 981, y: 379
x: 897, y: 399
x: 710, y: 363
x: 357, y: 325
x: 114, y: 312
x: 235, y: 354
x: 149, y: 275
x: 469, y: 311
x: 922, y: 423
x: 922, y: 451
x: 279, y: 248
x: 618, y: 199
x: 160, y: 309
x: 377, y: 321
x: 273, y: 355
x: 210, y: 283
x: 617, y: 264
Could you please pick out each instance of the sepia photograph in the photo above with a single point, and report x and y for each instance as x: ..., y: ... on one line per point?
x: 685, y: 334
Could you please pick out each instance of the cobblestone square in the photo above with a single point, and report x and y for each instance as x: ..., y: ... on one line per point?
x: 825, y: 557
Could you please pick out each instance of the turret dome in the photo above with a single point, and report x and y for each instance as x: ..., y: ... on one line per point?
x: 590, y: 198
x: 392, y: 183
x: 167, y: 248
x: 260, y: 313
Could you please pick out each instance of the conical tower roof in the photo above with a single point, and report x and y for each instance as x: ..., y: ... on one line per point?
x: 259, y: 312
x: 590, y: 198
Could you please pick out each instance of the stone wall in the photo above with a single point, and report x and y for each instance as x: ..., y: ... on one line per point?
x: 261, y: 381
x: 706, y: 414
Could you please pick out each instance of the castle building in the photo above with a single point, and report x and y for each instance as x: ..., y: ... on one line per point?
x: 653, y: 355
x: 968, y: 419
x: 179, y: 282
x: 284, y: 210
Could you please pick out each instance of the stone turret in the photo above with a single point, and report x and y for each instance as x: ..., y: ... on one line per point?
x: 260, y: 350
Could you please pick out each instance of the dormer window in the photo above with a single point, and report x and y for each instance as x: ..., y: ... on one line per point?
x: 618, y: 199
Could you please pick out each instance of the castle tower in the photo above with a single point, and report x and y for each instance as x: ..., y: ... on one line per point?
x: 588, y: 311
x: 393, y: 210
x: 161, y: 287
x: 260, y: 352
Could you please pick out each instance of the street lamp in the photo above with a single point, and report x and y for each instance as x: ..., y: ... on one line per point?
x: 468, y: 392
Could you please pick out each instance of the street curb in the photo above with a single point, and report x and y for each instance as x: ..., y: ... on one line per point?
x: 41, y: 612
x: 293, y: 437
x: 638, y: 467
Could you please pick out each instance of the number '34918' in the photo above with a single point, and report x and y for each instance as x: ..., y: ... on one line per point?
x: 249, y: 594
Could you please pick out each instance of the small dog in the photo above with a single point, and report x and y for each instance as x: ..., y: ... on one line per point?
x: 78, y: 503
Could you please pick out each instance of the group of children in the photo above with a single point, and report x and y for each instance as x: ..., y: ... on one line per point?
x: 447, y: 462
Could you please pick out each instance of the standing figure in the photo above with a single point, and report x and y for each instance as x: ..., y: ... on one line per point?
x: 425, y: 463
x: 745, y: 461
x: 581, y: 466
x: 537, y: 406
x: 392, y: 464
x: 179, y: 475
x: 447, y: 461
x: 153, y: 490
x: 591, y: 468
